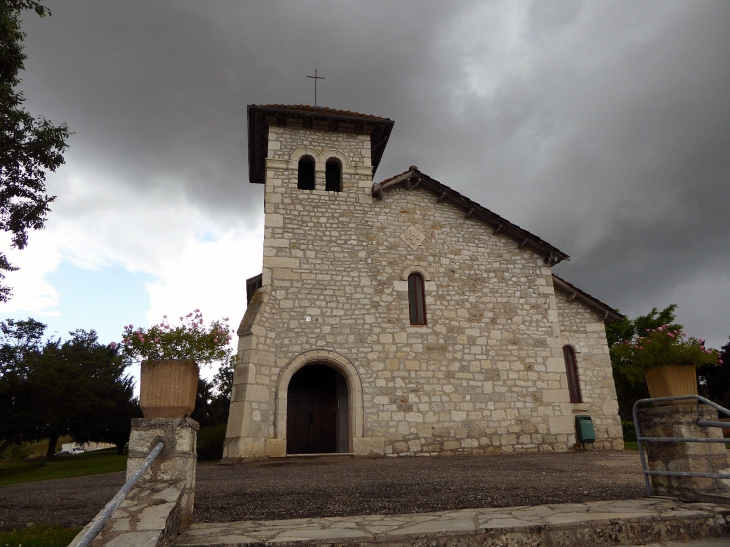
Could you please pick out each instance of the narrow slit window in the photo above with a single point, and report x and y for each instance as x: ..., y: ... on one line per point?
x: 305, y: 179
x: 333, y: 175
x: 571, y: 368
x: 417, y: 299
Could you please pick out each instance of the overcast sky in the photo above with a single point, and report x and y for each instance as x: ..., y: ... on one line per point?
x: 602, y: 127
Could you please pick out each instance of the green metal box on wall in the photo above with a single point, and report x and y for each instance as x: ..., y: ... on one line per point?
x: 584, y: 430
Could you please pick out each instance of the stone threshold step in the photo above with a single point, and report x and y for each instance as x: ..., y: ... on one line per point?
x: 624, y: 522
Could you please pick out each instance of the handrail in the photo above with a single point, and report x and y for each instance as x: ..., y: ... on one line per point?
x: 701, y: 423
x: 103, y: 517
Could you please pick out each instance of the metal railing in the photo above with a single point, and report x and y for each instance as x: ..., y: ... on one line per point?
x: 701, y: 423
x: 102, y: 518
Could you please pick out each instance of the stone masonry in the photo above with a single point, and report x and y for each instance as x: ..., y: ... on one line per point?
x: 680, y: 421
x: 161, y: 504
x: 485, y: 375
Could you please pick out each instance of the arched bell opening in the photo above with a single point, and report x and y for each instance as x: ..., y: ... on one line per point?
x: 317, y: 420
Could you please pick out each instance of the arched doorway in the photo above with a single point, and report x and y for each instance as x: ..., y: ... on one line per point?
x: 317, y: 420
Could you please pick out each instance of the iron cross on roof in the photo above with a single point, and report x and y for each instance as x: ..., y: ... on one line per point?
x: 315, y: 78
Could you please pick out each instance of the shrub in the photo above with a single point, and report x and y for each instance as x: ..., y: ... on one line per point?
x: 210, y: 442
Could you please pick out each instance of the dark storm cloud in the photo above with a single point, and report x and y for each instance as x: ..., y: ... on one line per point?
x: 604, y: 127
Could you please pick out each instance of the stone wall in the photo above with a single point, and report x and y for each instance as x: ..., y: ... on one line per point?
x: 485, y: 375
x: 584, y: 330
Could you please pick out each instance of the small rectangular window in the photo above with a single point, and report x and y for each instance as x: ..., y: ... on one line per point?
x: 571, y: 369
x: 416, y: 299
x: 333, y: 176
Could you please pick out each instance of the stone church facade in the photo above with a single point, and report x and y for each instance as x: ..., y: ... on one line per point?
x: 402, y: 318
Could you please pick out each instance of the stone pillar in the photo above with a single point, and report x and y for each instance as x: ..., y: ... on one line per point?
x: 175, y: 466
x: 680, y: 420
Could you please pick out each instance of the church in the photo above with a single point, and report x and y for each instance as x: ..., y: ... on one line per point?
x: 401, y: 318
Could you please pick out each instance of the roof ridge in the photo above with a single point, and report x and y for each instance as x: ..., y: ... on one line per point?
x: 322, y: 110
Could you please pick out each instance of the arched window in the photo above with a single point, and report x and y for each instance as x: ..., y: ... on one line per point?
x: 417, y: 299
x: 571, y: 369
x: 333, y: 175
x: 305, y: 179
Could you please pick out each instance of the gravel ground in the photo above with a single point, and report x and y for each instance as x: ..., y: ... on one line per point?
x: 334, y: 486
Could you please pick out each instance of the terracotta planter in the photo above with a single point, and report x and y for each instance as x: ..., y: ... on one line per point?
x: 671, y: 380
x: 168, y: 388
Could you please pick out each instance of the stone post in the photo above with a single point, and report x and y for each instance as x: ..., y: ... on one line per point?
x: 175, y: 466
x: 680, y: 420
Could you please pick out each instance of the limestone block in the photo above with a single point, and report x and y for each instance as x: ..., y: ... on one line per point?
x: 556, y: 396
x: 276, y: 448
x: 555, y: 364
x: 239, y: 415
x: 560, y: 424
x: 257, y: 393
x: 400, y: 286
x: 280, y: 262
x: 610, y: 407
x: 274, y: 220
x: 368, y: 446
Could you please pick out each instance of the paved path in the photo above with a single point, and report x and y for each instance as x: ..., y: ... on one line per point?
x: 567, y: 525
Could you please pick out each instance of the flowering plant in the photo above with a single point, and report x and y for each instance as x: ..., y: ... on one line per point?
x: 661, y: 346
x: 190, y: 340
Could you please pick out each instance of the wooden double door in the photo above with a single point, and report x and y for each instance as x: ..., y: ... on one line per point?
x: 311, y: 421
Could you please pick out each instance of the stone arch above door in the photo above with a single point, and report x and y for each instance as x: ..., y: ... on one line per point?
x: 341, y: 365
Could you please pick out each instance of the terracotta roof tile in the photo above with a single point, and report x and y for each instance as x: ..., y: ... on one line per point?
x: 321, y: 110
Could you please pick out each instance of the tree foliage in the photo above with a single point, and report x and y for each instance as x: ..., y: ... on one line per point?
x: 715, y: 381
x: 189, y: 340
x: 628, y: 392
x: 53, y: 388
x: 28, y: 146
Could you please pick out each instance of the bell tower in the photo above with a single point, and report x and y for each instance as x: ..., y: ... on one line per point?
x: 317, y: 165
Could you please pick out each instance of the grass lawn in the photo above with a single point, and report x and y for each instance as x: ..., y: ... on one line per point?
x: 89, y: 463
x: 38, y: 535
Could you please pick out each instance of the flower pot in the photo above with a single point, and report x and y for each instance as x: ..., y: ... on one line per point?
x: 671, y: 381
x: 168, y: 388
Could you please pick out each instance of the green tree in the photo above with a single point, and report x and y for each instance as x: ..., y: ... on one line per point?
x: 21, y: 344
x: 28, y: 146
x: 618, y: 331
x: 53, y: 388
x: 715, y: 381
x: 103, y: 396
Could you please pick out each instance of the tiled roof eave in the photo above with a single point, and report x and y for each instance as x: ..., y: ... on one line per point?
x: 300, y: 111
x: 415, y: 179
x: 257, y: 131
x: 574, y: 293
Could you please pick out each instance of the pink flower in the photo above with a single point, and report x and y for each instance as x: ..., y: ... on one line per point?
x: 197, y: 311
x: 113, y: 345
x: 141, y: 339
x: 157, y: 340
x: 641, y: 347
x: 660, y: 328
x: 215, y: 340
x: 130, y: 326
x: 720, y: 361
x: 226, y: 319
x: 670, y: 334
